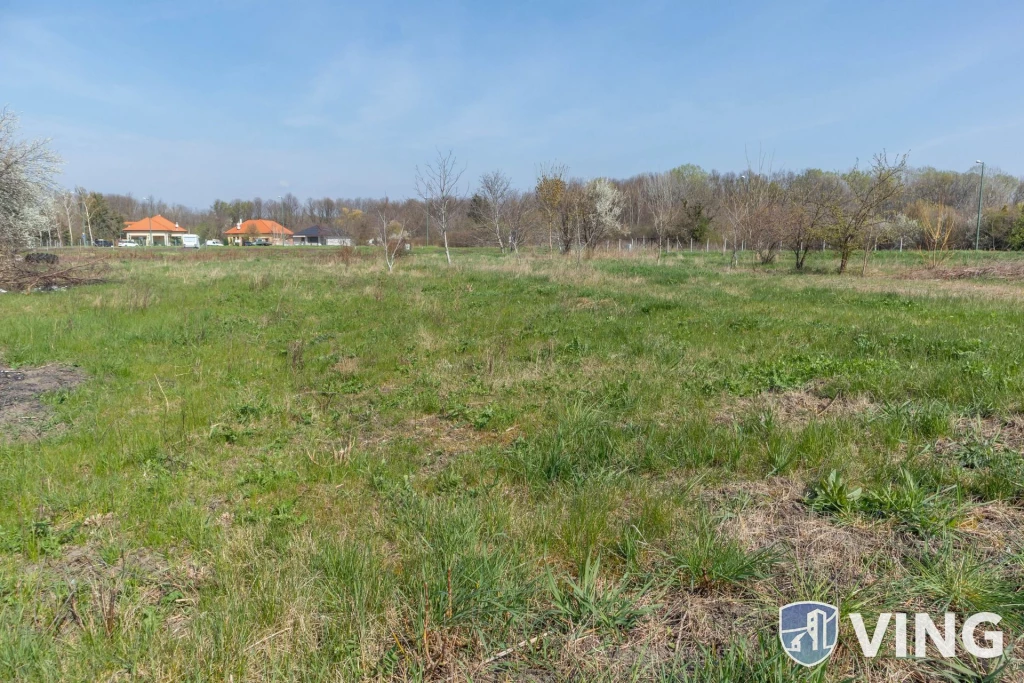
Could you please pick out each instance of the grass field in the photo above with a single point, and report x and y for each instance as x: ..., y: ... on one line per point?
x: 288, y: 465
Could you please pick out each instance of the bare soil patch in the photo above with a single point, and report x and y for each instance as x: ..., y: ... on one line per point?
x: 21, y: 412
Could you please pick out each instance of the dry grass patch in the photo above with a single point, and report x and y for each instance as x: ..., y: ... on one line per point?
x: 1013, y: 270
x: 441, y: 439
x: 1006, y: 431
x: 772, y: 513
x: 98, y: 593
x: 795, y: 408
x: 994, y: 527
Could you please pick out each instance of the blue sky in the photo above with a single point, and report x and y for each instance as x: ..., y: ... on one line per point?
x: 194, y: 100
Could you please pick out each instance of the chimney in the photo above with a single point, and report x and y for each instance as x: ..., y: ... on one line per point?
x: 175, y: 223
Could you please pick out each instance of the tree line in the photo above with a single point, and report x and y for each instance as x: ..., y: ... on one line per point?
x: 883, y: 204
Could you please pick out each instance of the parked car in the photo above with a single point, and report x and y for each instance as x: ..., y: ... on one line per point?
x: 126, y: 243
x: 102, y: 243
x: 261, y: 242
x: 214, y: 243
x: 190, y: 241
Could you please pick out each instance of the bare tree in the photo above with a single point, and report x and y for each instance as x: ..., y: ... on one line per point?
x: 83, y: 201
x: 661, y: 195
x: 66, y: 201
x: 737, y: 209
x: 495, y: 191
x: 438, y: 186
x: 806, y: 213
x: 754, y: 209
x: 551, y: 194
x: 390, y: 233
x: 937, y: 223
x: 519, y: 216
x: 859, y: 206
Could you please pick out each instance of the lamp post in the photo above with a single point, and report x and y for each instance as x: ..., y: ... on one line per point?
x: 981, y: 188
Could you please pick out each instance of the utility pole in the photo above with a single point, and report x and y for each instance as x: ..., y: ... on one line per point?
x: 981, y: 188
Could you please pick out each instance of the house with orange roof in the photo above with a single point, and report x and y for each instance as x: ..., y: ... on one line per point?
x: 258, y: 231
x: 154, y: 230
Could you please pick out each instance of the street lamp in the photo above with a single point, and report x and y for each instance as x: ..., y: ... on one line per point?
x: 981, y: 188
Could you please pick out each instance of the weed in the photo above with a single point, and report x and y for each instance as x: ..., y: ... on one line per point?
x: 705, y: 559
x: 958, y: 580
x: 834, y: 495
x: 589, y: 603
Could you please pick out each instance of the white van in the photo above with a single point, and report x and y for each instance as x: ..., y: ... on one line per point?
x: 190, y: 241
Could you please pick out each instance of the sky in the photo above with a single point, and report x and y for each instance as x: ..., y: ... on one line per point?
x: 193, y: 100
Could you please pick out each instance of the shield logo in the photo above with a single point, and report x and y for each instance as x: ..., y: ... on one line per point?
x: 808, y: 631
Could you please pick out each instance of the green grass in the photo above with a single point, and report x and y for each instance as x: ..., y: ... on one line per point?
x: 284, y: 466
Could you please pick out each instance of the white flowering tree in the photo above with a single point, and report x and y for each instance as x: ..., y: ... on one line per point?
x: 595, y: 208
x: 27, y: 169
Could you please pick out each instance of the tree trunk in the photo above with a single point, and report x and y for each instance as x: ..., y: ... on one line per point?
x: 844, y: 258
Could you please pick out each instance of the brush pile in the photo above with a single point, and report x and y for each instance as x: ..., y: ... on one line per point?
x: 40, y: 271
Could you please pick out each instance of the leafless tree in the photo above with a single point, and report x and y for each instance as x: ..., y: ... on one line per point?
x: 936, y: 224
x: 66, y: 201
x: 551, y: 194
x: 390, y: 233
x: 519, y: 219
x: 661, y: 193
x: 438, y: 186
x: 495, y: 191
x: 754, y: 211
x: 807, y: 213
x: 83, y: 202
x: 861, y: 203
